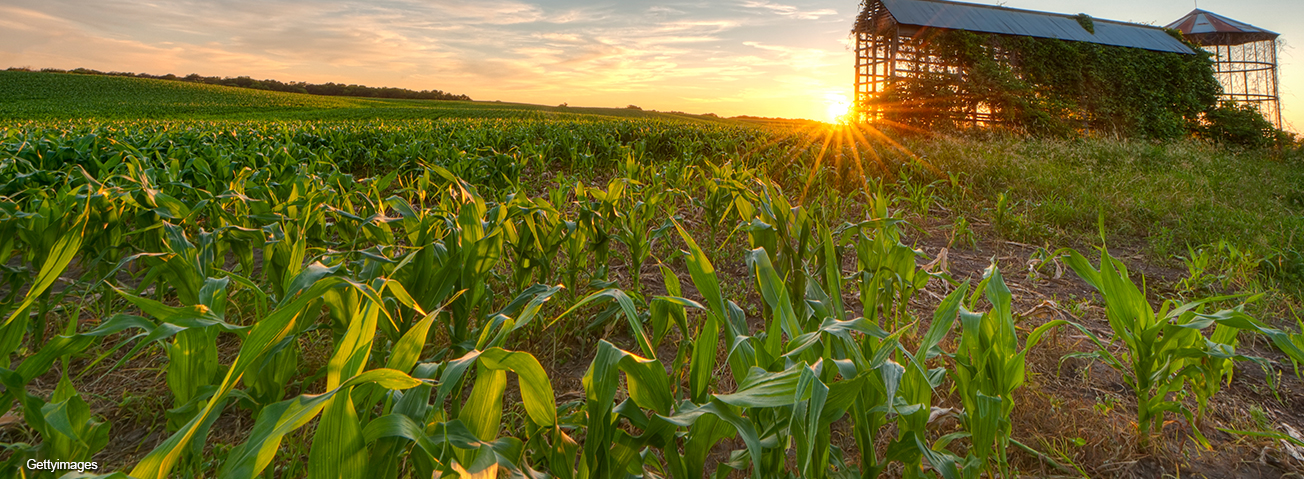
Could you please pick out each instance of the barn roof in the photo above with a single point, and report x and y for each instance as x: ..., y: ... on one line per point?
x: 1029, y: 23
x: 1208, y: 28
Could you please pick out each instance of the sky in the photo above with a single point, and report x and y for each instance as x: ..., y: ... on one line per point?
x: 775, y: 58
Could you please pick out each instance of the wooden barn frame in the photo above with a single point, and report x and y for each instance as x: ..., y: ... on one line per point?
x: 889, y: 34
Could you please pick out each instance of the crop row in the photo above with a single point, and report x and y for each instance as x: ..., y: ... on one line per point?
x: 426, y: 265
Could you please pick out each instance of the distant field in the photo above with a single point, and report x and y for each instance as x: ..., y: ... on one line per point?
x: 204, y: 281
x: 33, y: 95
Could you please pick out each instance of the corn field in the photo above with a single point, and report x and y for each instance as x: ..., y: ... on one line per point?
x: 375, y: 300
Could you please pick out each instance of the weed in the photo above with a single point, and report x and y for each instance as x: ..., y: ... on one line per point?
x: 961, y: 234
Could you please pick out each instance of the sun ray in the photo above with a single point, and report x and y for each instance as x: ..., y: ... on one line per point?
x: 819, y: 159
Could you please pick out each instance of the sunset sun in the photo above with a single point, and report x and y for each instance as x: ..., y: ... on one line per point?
x: 838, y: 107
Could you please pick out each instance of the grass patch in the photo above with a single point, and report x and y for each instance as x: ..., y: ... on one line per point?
x: 1160, y: 197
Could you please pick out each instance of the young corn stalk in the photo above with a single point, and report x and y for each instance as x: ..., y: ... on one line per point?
x: 312, y: 283
x: 190, y: 270
x: 887, y: 270
x: 461, y: 261
x: 783, y: 231
x: 725, y: 192
x: 52, y: 233
x: 989, y: 367
x: 594, y: 217
x: 636, y: 226
x: 917, y: 384
x: 54, y: 252
x: 1164, y: 349
x: 579, y: 233
x: 536, y: 235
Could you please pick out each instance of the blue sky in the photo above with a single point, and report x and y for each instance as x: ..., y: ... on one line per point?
x: 788, y: 58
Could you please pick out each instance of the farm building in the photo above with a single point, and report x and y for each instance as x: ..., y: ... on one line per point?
x: 935, y: 60
x: 1245, y: 59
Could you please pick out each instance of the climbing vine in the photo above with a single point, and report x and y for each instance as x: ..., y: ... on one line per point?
x: 1049, y: 86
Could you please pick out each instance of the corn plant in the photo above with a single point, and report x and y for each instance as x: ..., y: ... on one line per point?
x: 1164, y: 349
x: 875, y: 386
x: 460, y: 261
x: 725, y: 188
x: 917, y: 383
x: 768, y: 409
x: 54, y: 251
x: 636, y: 227
x: 69, y: 431
x: 579, y: 233
x: 595, y: 210
x: 887, y: 272
x: 989, y: 367
x: 52, y: 233
x: 535, y: 239
x: 785, y: 232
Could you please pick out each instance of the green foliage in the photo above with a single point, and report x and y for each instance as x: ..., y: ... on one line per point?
x: 329, y: 89
x: 1055, y: 87
x: 989, y: 367
x: 1239, y: 124
x: 1167, y: 349
x: 1086, y: 22
x: 375, y: 281
x: 1161, y: 195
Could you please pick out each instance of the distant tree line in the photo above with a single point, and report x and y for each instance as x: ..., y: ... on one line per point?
x: 328, y: 89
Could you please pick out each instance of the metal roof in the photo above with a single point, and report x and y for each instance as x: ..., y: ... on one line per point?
x: 1208, y: 28
x: 1029, y: 23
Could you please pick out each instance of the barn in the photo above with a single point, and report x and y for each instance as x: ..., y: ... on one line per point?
x: 897, y: 43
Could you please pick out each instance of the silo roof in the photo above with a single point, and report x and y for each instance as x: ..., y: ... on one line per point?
x: 1208, y: 28
x: 1029, y: 23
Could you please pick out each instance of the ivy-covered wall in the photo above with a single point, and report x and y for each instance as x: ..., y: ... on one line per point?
x: 1048, y: 86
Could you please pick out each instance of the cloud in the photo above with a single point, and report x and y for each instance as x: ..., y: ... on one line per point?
x: 799, y: 58
x: 674, y: 55
x: 789, y: 10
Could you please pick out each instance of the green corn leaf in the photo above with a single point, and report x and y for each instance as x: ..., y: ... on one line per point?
x: 275, y: 421
x: 262, y: 337
x: 704, y: 278
x: 687, y: 416
x: 194, y: 316
x: 764, y: 389
x: 627, y: 307
x: 396, y: 288
x: 453, y: 433
x: 809, y: 432
x: 525, y: 307
x: 648, y: 386
x: 832, y: 273
x: 701, y: 368
x: 408, y: 348
x: 338, y: 449
x: 775, y: 293
x: 484, y: 408
x: 354, y: 348
x: 536, y: 391
x: 62, y: 253
x: 55, y: 417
